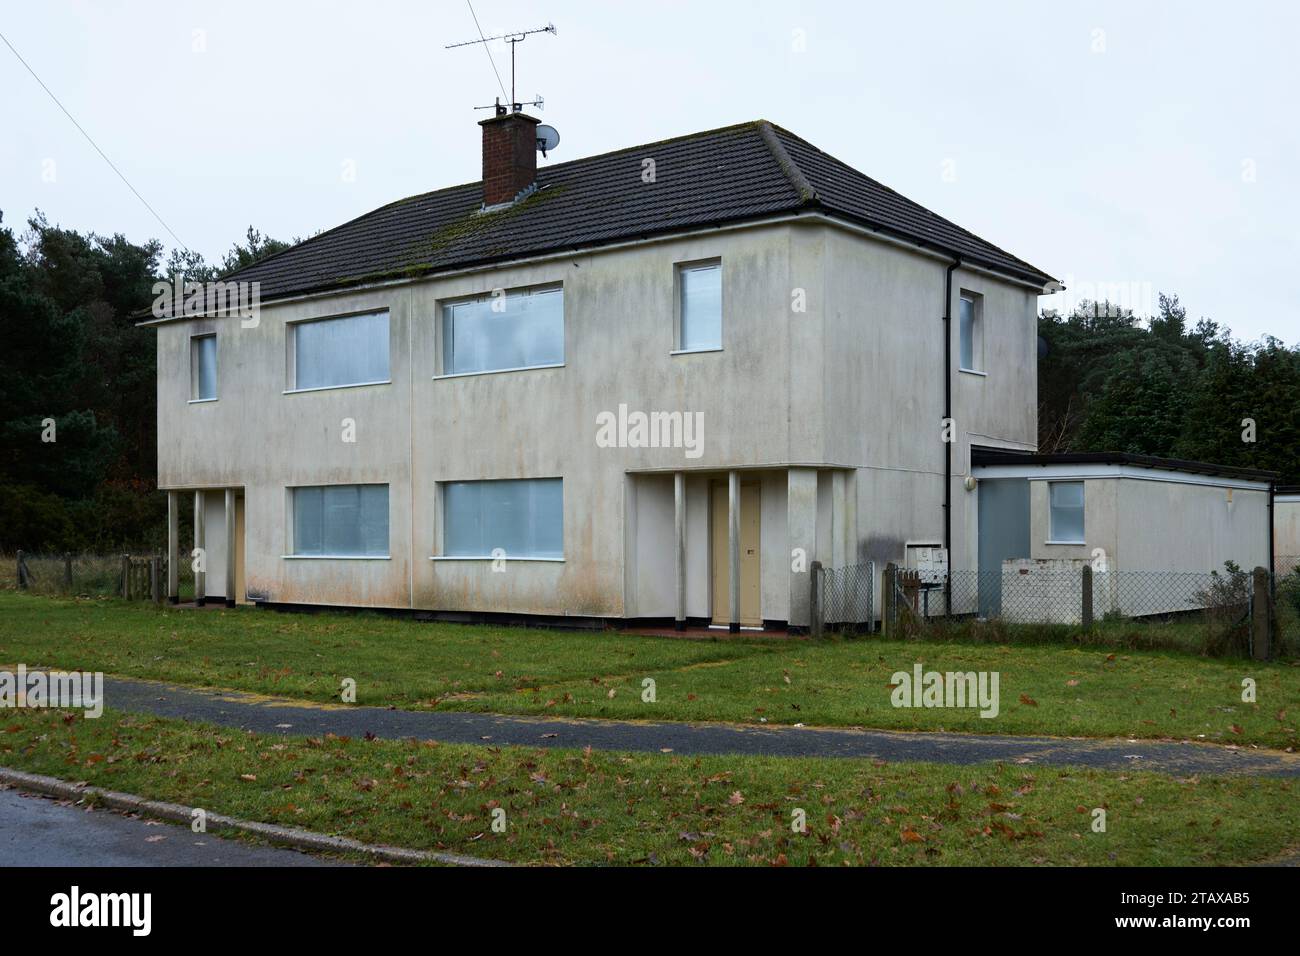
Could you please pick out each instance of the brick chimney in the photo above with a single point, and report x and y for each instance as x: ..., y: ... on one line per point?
x: 509, y: 156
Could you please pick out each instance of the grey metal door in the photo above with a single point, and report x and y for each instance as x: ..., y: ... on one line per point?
x: 1003, y: 514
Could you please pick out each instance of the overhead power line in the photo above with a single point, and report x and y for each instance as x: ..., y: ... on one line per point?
x: 94, y: 144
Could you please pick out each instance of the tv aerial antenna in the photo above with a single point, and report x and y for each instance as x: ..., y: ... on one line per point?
x: 514, y: 39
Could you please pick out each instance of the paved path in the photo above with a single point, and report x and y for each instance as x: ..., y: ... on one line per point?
x: 276, y: 716
x: 39, y: 831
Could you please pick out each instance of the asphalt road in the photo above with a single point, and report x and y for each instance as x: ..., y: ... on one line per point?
x: 39, y: 831
x: 271, y: 716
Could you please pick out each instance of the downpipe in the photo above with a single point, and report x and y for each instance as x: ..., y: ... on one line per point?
x: 947, y: 414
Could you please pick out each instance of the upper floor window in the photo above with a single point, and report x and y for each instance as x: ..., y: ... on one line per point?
x: 972, y: 333
x: 699, y: 307
x: 1065, y: 504
x: 512, y: 518
x: 503, y: 331
x: 203, y: 368
x: 330, y: 353
x: 340, y: 521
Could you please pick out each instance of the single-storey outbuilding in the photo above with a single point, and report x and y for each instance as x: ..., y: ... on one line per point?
x: 1286, y: 529
x: 1149, y: 528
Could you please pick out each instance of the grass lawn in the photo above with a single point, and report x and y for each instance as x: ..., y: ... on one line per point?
x: 1045, y: 689
x: 580, y: 807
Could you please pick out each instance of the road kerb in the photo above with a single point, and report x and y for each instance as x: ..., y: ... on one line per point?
x: 270, y: 832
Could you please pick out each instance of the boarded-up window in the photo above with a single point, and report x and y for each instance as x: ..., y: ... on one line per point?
x: 508, y: 330
x: 701, y: 307
x: 1065, y: 500
x: 203, y: 368
x: 352, y: 350
x: 513, y: 518
x: 341, y: 521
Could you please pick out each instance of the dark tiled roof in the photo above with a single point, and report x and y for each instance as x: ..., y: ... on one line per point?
x: 995, y: 457
x: 726, y: 175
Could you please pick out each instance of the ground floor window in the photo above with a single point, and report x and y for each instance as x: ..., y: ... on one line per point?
x: 340, y: 521
x: 1065, y: 505
x: 512, y: 518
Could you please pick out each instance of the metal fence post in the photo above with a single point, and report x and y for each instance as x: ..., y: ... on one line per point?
x: 1260, y: 615
x: 871, y: 596
x: 1086, y: 615
x: 815, y: 609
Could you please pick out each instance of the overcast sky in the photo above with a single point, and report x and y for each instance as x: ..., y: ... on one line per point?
x: 1138, y: 147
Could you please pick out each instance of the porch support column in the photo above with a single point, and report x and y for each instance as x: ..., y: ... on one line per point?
x: 201, y: 562
x: 679, y: 544
x: 733, y: 549
x: 230, y: 547
x: 173, y: 547
x: 801, y: 529
x: 839, y: 526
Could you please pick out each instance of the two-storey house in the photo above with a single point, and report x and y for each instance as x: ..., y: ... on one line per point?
x: 649, y: 385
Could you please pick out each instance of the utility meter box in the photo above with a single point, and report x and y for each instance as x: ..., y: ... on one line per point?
x: 930, y: 561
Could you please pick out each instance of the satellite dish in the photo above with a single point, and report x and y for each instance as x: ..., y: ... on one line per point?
x: 548, y: 137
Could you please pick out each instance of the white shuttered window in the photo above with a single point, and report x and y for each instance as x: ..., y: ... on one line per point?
x: 506, y: 331
x: 203, y: 368
x: 351, y: 350
x: 341, y: 521
x: 514, y: 518
x: 1065, y: 502
x: 701, y: 307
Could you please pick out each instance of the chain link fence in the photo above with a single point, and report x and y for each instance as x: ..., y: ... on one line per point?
x: 1067, y: 595
x: 1212, y: 612
x: 1287, y: 611
x: 844, y: 598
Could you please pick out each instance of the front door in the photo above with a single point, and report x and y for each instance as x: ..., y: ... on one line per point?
x: 750, y: 536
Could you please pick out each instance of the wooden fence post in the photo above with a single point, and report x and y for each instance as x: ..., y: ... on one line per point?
x: 889, y: 584
x: 1261, y: 614
x: 126, y: 577
x: 1086, y: 615
x: 67, y: 570
x: 22, y: 572
x: 155, y: 587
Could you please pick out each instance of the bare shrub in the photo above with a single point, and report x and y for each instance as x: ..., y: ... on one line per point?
x: 1226, y: 600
